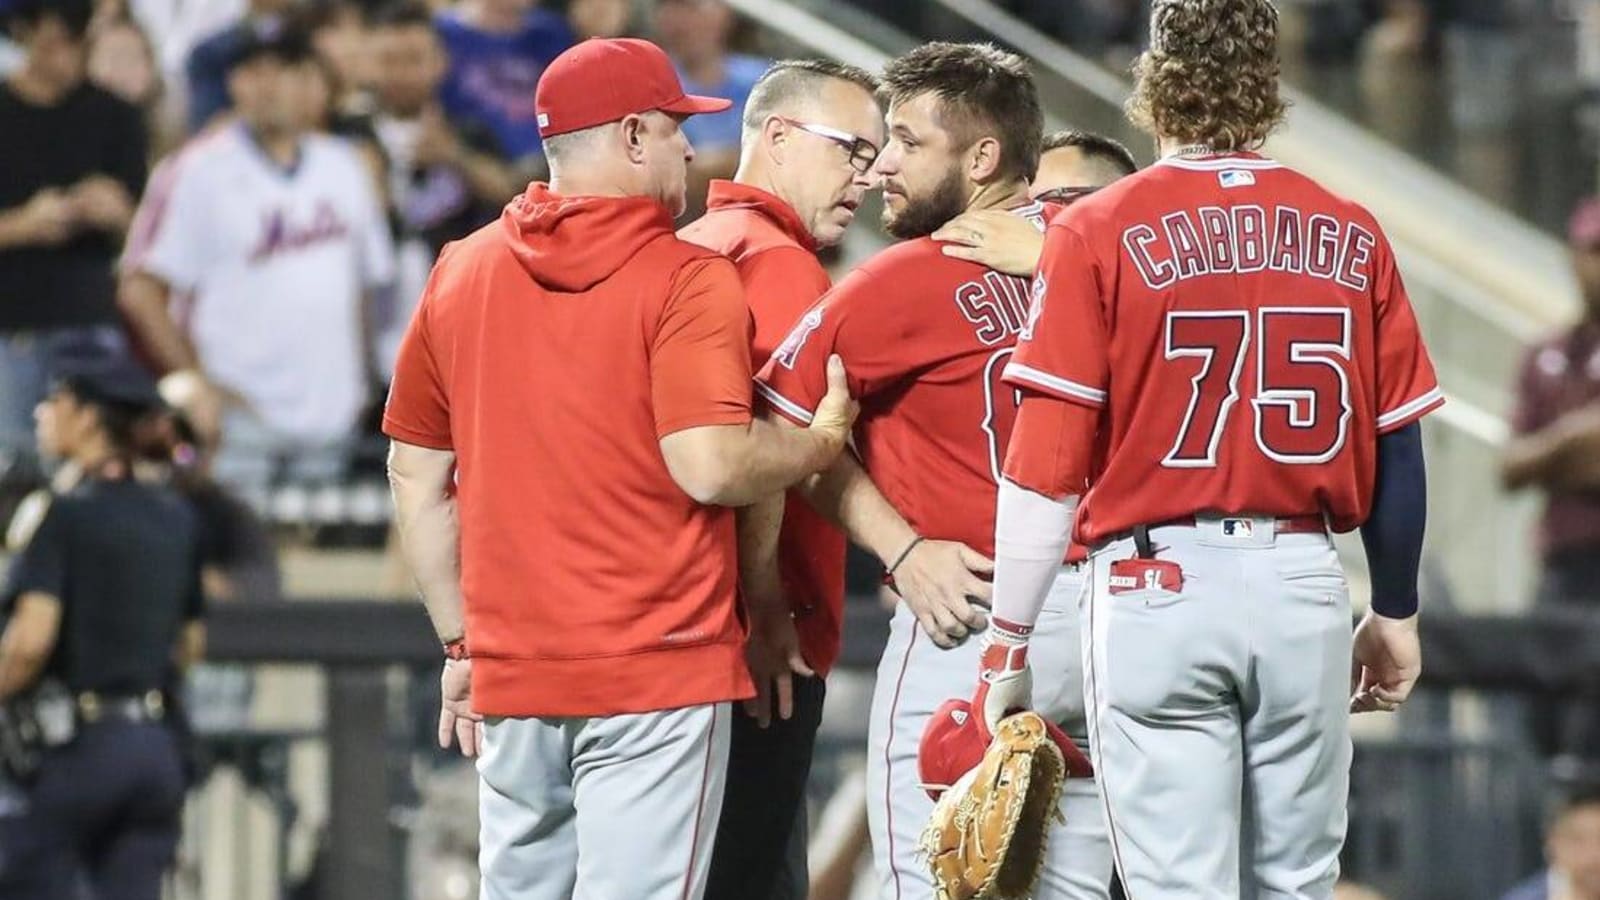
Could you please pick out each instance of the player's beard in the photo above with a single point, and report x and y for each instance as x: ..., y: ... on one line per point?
x: 923, y: 216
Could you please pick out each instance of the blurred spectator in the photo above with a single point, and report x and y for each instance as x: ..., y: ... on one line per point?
x: 272, y: 235
x: 444, y: 177
x: 497, y: 50
x: 71, y: 163
x: 600, y: 18
x: 123, y: 61
x: 1557, y: 425
x: 1556, y: 448
x: 339, y: 35
x: 323, y: 115
x: 1572, y: 849
x: 207, y: 65
x: 696, y: 34
x: 175, y: 27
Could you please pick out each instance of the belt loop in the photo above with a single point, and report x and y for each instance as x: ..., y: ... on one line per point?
x: 1141, y: 542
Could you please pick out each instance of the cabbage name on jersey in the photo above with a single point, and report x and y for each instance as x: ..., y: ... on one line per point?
x: 1247, y: 332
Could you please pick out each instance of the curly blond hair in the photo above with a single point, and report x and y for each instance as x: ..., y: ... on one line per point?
x: 1211, y: 74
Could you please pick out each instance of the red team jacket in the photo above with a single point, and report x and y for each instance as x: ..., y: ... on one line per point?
x: 551, y: 351
x: 925, y: 338
x: 777, y: 262
x: 1247, y: 332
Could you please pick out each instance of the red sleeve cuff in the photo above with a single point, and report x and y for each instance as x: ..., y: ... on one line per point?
x: 702, y: 420
x: 1410, y: 411
x: 1018, y: 375
x: 783, y: 406
x: 429, y: 439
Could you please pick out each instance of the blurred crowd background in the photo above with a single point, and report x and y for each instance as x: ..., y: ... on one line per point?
x: 400, y: 126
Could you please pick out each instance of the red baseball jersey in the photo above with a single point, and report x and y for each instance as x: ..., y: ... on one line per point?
x: 925, y: 338
x: 1245, y: 333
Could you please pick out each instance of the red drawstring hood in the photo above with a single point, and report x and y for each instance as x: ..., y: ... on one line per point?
x: 571, y: 244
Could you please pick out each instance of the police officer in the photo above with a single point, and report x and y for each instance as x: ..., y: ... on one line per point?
x: 102, y: 600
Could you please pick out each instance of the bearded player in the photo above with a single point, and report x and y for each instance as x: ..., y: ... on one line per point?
x: 925, y: 338
x: 1227, y: 349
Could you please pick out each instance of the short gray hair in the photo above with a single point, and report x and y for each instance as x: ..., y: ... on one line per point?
x: 564, y: 148
x: 790, y: 79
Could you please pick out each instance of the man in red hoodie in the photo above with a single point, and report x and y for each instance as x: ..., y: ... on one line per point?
x: 811, y: 131
x: 571, y: 423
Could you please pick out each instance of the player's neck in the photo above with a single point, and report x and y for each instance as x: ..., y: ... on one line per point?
x: 38, y: 88
x: 1168, y: 147
x: 999, y: 195
x: 752, y: 173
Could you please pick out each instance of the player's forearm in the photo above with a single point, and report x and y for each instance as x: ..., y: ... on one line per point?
x: 430, y: 532
x: 1031, y: 533
x: 845, y: 494
x: 1393, y: 531
x: 143, y: 299
x: 760, y: 525
x: 768, y: 459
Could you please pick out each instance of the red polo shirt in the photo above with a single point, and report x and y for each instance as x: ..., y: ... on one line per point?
x: 777, y: 263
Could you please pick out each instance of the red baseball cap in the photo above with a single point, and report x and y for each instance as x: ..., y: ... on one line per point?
x: 605, y: 79
x: 955, y: 739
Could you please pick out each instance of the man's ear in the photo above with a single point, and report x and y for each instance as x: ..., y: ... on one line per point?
x: 632, y: 129
x: 983, y: 159
x: 775, y: 134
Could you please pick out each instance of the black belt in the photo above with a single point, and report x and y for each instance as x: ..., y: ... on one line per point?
x: 1284, y: 525
x: 94, y: 706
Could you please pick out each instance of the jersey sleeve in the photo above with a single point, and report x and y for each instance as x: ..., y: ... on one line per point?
x: 700, y: 355
x: 174, y: 233
x: 41, y: 566
x: 780, y: 285
x: 1062, y: 350
x: 857, y: 321
x: 418, y: 409
x: 1407, y: 386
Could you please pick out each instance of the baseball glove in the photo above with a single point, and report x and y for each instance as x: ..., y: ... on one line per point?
x: 986, y: 838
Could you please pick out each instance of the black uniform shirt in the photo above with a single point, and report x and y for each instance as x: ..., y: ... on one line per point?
x: 124, y: 559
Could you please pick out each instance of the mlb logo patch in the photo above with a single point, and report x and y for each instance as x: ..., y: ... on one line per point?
x: 1232, y: 178
x: 1239, y: 528
x: 544, y: 120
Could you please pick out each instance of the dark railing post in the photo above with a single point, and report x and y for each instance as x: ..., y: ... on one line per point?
x: 360, y: 853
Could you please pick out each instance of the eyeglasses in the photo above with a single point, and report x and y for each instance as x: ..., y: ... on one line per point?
x: 1065, y: 196
x: 862, y: 152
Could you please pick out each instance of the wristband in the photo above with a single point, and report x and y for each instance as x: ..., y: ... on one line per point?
x: 888, y: 574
